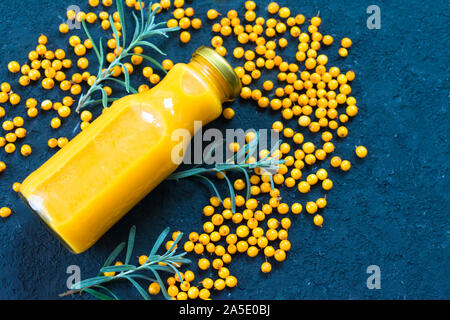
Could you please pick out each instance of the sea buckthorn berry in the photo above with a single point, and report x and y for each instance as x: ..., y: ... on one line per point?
x: 304, y: 187
x: 343, y: 52
x: 345, y: 165
x: 5, y: 212
x: 55, y: 123
x: 185, y: 37
x: 327, y: 184
x: 203, y: 263
x: 20, y: 132
x: 10, y: 148
x: 184, y: 23
x: 13, y: 67
x: 63, y: 28
x: 361, y: 152
x: 14, y: 99
x: 318, y: 220
x: 212, y: 14
x: 327, y: 40
x: 32, y: 112
x: 8, y: 125
x: 62, y: 142
x: 154, y: 288
x: 346, y: 42
x: 2, y: 166
x: 5, y: 87
x: 284, y: 12
x: 280, y: 255
x: 11, y: 137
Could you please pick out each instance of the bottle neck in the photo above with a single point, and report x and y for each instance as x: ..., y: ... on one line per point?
x: 221, y: 85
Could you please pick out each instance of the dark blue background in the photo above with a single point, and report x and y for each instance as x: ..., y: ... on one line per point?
x: 390, y: 210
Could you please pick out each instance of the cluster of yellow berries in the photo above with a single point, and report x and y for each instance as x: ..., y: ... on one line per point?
x: 314, y: 95
x: 50, y: 67
x: 183, y: 18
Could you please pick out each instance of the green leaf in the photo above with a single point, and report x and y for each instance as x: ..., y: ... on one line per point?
x: 133, y: 90
x: 142, y: 15
x: 159, y: 241
x: 247, y: 183
x: 116, y: 34
x: 172, y: 247
x: 150, y: 45
x: 99, y: 57
x: 211, y: 184
x: 100, y: 66
x: 104, y: 98
x: 187, y: 173
x: 127, y: 76
x: 90, y: 282
x: 232, y: 194
x: 161, y: 284
x: 136, y: 28
x: 140, y: 276
x: 153, y: 61
x: 160, y: 268
x: 119, y: 268
x: 131, y: 238
x: 253, y: 145
x: 141, y: 290
x: 114, y: 255
x: 119, y: 6
x: 175, y: 270
x: 108, y: 291
x: 151, y: 14
x: 90, y: 102
x: 98, y: 294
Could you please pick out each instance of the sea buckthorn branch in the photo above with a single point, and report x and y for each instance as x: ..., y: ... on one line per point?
x: 168, y: 262
x: 240, y: 161
x: 144, y: 29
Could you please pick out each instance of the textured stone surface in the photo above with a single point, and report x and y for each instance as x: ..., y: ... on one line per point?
x: 390, y: 209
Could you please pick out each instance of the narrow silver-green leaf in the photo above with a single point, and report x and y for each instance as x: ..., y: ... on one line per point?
x: 141, y: 290
x: 187, y: 173
x: 119, y: 268
x: 115, y: 32
x: 150, y: 45
x: 140, y: 276
x: 159, y: 241
x: 112, y: 294
x: 104, y: 98
x: 119, y: 6
x: 154, y: 61
x: 90, y: 282
x: 133, y: 90
x: 141, y: 4
x: 161, y: 284
x: 211, y: 184
x: 114, y: 254
x: 136, y: 28
x: 247, y: 183
x: 232, y: 194
x: 130, y: 247
x: 100, y: 59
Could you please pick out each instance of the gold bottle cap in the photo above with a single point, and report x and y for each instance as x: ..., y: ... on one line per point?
x: 223, y: 67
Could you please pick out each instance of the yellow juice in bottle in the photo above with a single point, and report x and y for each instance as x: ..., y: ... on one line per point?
x: 93, y: 181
